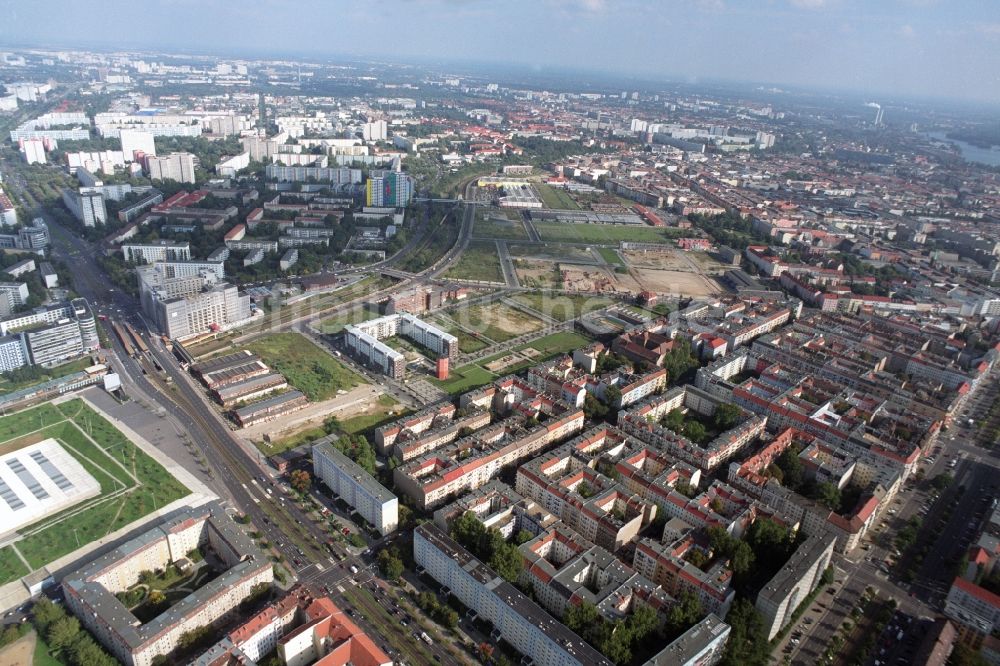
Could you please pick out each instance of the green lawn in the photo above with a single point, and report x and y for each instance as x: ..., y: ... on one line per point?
x: 480, y: 261
x: 611, y: 256
x: 558, y: 343
x: 55, y: 536
x: 42, y: 657
x: 356, y: 315
x: 11, y: 566
x: 561, y: 307
x: 554, y: 197
x: 306, y: 367
x: 509, y: 230
x: 465, y: 378
x: 608, y: 234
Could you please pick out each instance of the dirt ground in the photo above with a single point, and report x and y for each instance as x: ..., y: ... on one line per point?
x: 20, y: 652
x: 535, y: 273
x: 669, y: 258
x: 586, y: 278
x: 675, y: 282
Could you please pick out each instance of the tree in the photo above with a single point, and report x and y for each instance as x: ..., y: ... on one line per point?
x: 829, y: 494
x: 62, y: 632
x: 741, y: 559
x: 44, y: 613
x: 593, y: 408
x: 156, y: 597
x: 10, y: 634
x: 485, y: 652
x: 580, y: 617
x: 523, y: 536
x: 467, y: 530
x: 684, y: 613
x: 747, y: 644
x: 613, y: 397
x: 695, y: 431
x: 726, y: 416
x: 300, y: 480
x: 390, y: 564
x: 507, y: 562
x: 791, y: 468
x: 674, y: 420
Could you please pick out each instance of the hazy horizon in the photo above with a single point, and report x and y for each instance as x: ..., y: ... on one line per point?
x: 910, y: 48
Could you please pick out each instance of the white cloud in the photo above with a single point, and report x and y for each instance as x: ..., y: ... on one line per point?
x: 809, y: 4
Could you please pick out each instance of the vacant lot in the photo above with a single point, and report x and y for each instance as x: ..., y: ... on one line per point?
x: 675, y: 282
x: 551, y: 251
x: 132, y: 483
x: 561, y: 307
x: 496, y: 321
x: 467, y: 343
x: 497, y: 228
x: 556, y: 197
x: 480, y: 261
x: 307, y: 367
x: 607, y: 234
x: 537, y: 274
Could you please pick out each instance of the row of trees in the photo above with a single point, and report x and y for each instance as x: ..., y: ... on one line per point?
x: 63, y: 632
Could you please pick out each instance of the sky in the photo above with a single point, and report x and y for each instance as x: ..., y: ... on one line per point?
x: 927, y: 48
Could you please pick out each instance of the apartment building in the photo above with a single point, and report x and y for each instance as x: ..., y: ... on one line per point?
x: 49, y: 336
x: 642, y: 422
x: 354, y: 485
x: 159, y: 250
x: 364, y: 341
x: 704, y: 644
x: 515, y: 618
x: 186, y: 305
x: 563, y: 570
x: 665, y: 564
x: 175, y: 166
x: 498, y: 507
x: 973, y: 607
x: 472, y: 461
x: 391, y: 188
x: 87, y: 205
x: 799, y: 576
x: 8, y: 213
x: 90, y: 591
x: 412, y: 425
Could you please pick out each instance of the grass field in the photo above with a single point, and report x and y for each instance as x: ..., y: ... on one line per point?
x: 353, y: 316
x: 608, y: 234
x: 306, y: 367
x: 465, y: 378
x: 498, y: 322
x: 11, y: 566
x: 561, y: 307
x: 556, y: 197
x: 511, y: 230
x: 480, y: 261
x: 558, y: 343
x: 611, y: 256
x: 132, y: 484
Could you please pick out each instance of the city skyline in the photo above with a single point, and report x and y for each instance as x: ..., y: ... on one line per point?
x: 922, y: 48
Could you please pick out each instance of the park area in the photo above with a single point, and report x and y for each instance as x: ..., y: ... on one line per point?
x: 306, y: 366
x: 604, y: 234
x: 132, y: 484
x: 474, y: 375
x: 479, y: 261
